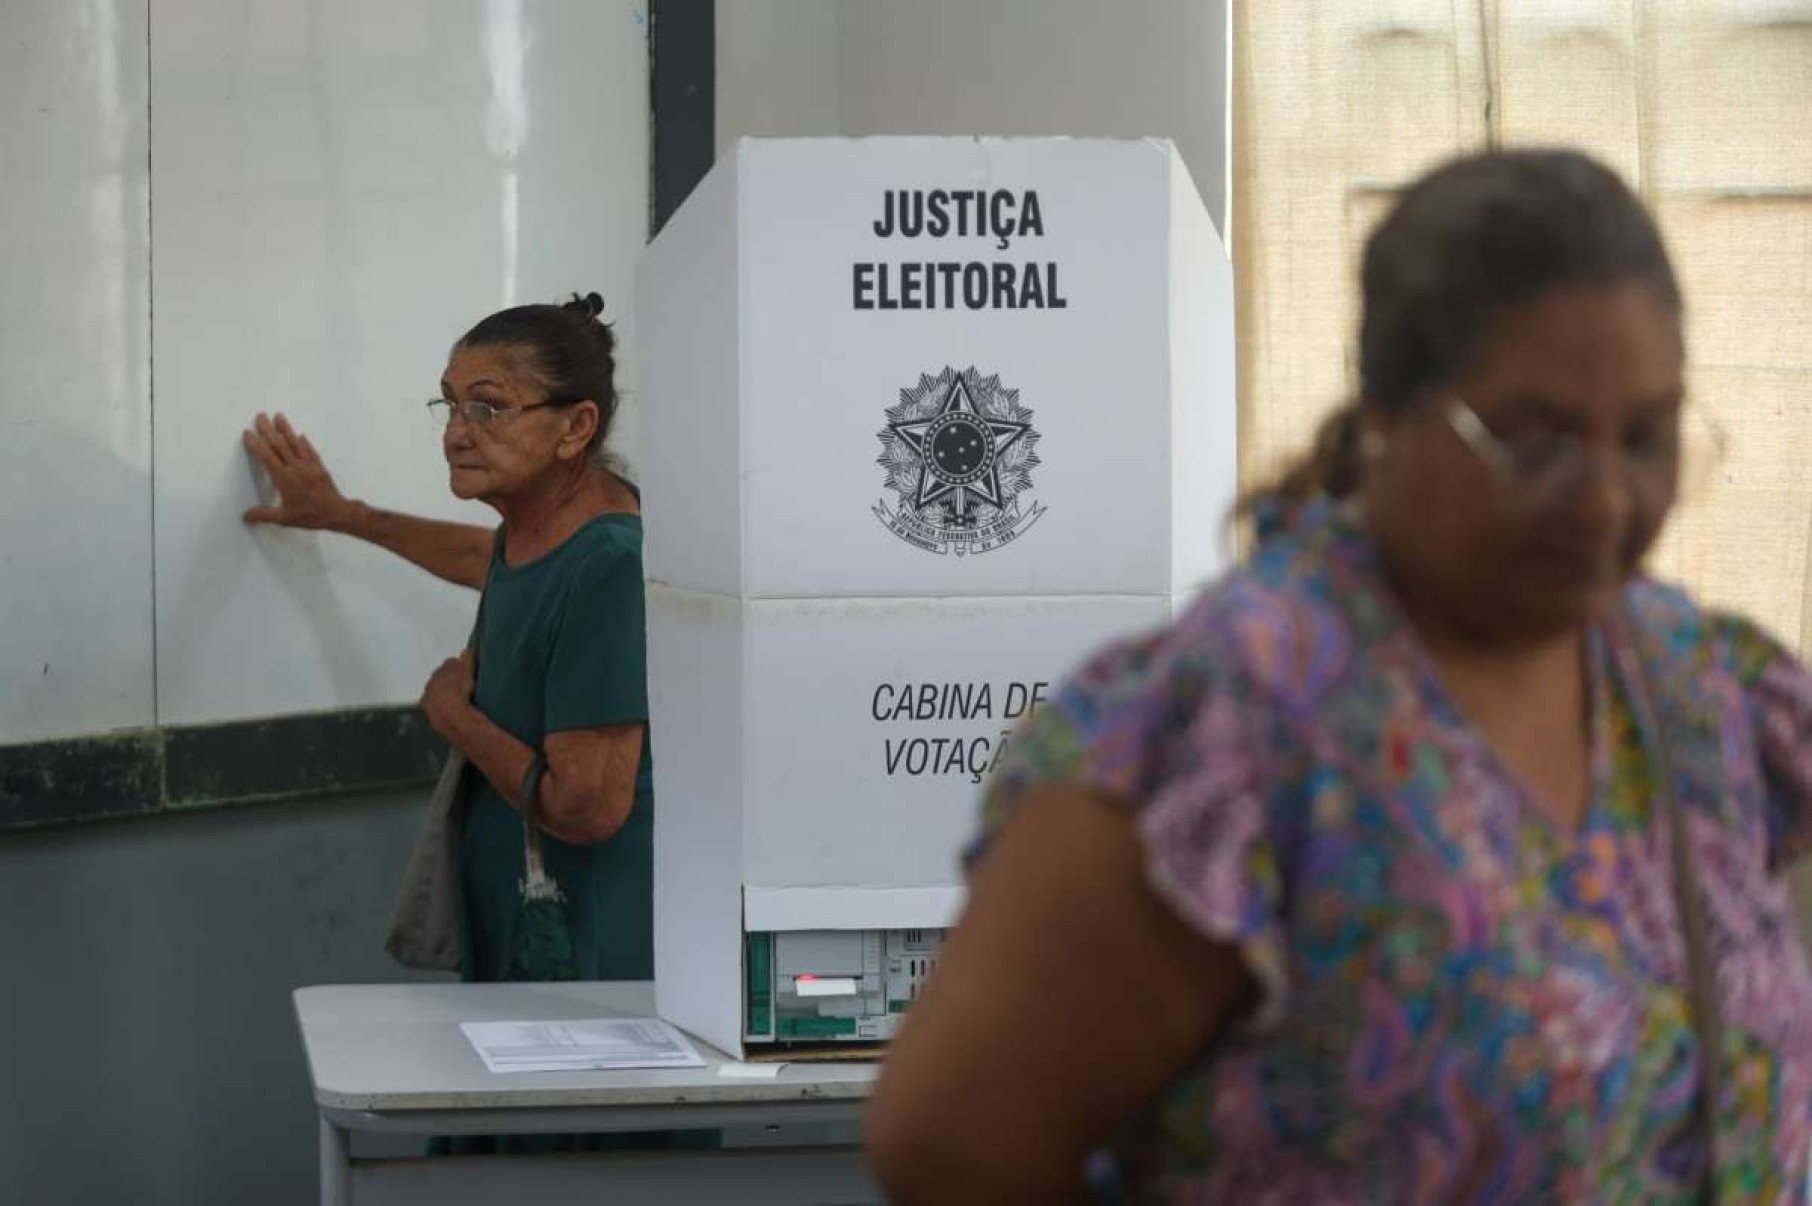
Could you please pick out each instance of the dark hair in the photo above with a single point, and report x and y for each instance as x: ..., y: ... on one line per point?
x: 567, y: 348
x: 1467, y: 242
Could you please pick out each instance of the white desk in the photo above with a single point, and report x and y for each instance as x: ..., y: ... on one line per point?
x: 391, y: 1059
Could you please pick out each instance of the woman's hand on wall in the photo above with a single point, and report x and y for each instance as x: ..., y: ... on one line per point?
x: 307, y: 495
x: 308, y: 498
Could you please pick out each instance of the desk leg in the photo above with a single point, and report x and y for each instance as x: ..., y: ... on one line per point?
x: 336, y: 1165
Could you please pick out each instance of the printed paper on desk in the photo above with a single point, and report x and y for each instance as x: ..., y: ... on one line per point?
x: 582, y: 1046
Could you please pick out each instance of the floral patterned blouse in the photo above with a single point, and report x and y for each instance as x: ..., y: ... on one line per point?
x: 1461, y: 1002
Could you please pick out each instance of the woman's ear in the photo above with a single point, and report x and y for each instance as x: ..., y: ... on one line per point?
x: 581, y: 425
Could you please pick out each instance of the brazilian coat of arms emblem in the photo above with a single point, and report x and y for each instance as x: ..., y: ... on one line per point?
x: 959, y: 451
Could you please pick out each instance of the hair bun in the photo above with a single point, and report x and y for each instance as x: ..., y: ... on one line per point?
x: 589, y: 306
x: 587, y: 310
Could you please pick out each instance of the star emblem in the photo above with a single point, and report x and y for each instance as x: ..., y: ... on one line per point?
x: 959, y: 450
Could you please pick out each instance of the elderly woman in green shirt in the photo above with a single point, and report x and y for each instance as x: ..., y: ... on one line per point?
x: 559, y: 678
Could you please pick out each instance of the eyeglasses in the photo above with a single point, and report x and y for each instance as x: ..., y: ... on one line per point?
x: 1547, y: 467
x: 480, y: 414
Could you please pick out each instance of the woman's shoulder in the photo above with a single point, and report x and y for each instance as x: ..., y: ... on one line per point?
x: 1287, y: 620
x: 1263, y: 638
x: 602, y: 557
x: 607, y: 542
x: 1707, y: 636
x: 1287, y: 641
x: 1728, y: 659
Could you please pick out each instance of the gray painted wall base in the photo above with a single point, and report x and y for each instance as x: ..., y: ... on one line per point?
x: 147, y: 1040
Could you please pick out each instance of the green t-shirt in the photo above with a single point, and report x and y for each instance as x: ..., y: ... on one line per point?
x: 562, y: 645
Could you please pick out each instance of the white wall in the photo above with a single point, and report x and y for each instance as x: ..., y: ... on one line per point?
x: 75, y: 390
x: 217, y: 207
x: 856, y: 67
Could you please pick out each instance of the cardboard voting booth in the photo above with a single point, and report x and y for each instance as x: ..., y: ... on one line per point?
x: 924, y: 422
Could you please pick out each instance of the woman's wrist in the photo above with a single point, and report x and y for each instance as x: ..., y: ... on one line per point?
x: 350, y: 518
x: 461, y: 724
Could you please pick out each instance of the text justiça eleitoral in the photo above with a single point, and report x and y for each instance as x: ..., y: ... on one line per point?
x: 1000, y: 214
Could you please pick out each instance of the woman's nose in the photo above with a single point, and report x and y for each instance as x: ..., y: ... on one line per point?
x: 1606, y: 491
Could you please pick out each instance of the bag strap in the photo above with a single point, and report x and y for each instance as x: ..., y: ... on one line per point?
x: 536, y: 884
x: 1702, y: 993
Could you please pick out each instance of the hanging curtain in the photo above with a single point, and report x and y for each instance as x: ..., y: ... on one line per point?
x: 1702, y: 105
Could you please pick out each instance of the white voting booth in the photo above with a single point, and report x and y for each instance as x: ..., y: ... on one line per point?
x: 924, y: 422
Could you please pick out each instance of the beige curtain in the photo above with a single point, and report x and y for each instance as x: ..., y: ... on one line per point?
x: 1704, y: 105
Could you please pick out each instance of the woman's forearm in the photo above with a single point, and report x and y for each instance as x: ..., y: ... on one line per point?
x: 499, y: 757
x: 565, y: 806
x: 458, y: 552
